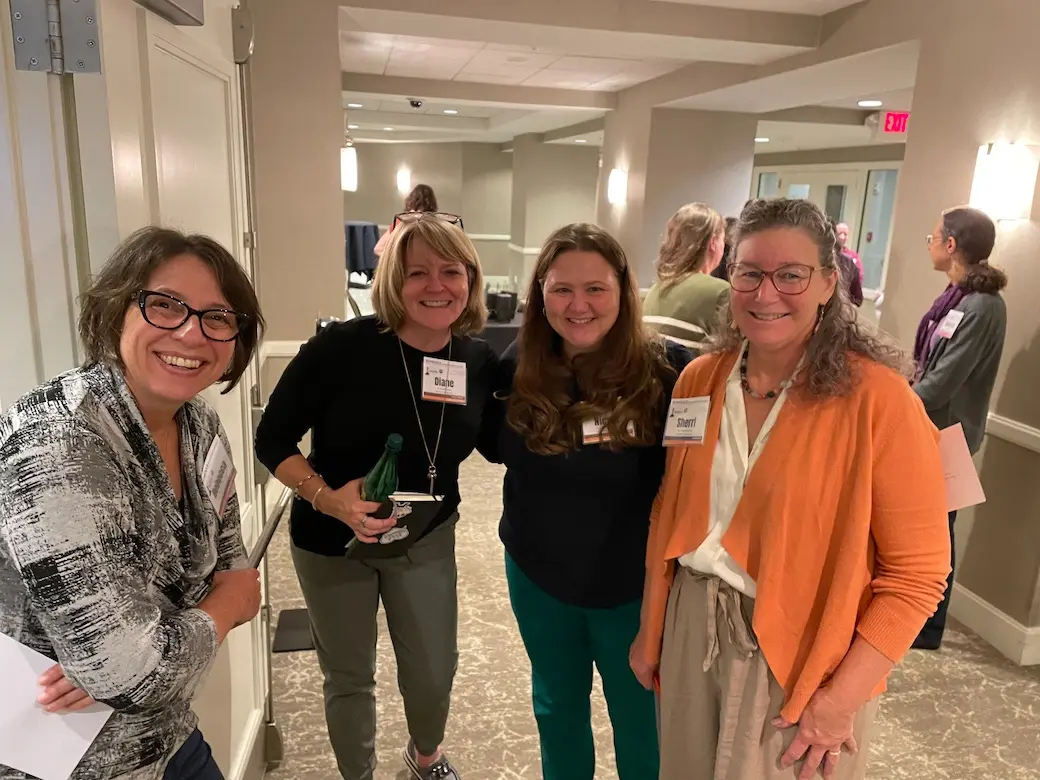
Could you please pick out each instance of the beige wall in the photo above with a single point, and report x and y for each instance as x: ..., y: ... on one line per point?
x: 997, y: 94
x: 298, y: 132
x: 377, y: 198
x: 553, y: 185
x: 473, y: 180
x: 694, y: 156
x: 673, y: 156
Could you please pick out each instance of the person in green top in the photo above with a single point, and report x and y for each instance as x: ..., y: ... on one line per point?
x: 683, y: 303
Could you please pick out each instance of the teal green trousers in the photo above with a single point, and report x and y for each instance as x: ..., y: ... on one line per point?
x: 564, y: 643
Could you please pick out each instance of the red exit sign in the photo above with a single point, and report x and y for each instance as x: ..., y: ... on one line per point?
x: 896, y: 121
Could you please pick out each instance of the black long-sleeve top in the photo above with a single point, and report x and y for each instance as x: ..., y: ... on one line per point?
x: 349, y: 388
x: 577, y: 524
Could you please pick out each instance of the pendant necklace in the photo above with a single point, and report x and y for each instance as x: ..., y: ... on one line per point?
x: 431, y: 458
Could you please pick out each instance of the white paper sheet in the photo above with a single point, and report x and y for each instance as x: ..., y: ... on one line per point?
x: 47, y: 745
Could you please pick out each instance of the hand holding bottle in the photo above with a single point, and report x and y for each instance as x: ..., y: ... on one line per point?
x: 345, y: 505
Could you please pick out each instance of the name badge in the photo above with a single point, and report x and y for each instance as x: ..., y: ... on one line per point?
x: 949, y: 324
x: 595, y: 431
x: 444, y: 380
x: 218, y: 476
x: 687, y: 418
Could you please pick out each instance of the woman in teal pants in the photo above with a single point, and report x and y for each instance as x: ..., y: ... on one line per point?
x: 585, y: 403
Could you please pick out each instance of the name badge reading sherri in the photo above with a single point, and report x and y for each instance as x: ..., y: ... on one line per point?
x: 687, y: 419
x: 595, y: 431
x: 444, y: 380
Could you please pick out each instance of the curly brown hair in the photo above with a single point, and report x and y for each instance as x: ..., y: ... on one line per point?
x: 840, y: 333
x: 621, y: 382
x: 421, y: 198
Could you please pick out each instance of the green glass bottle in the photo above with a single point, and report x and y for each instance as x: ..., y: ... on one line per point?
x: 381, y: 481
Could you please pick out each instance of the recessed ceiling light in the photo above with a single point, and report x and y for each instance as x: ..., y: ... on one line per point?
x: 451, y: 111
x: 761, y: 140
x: 389, y: 129
x: 354, y: 105
x: 870, y: 104
x: 352, y: 127
x: 580, y: 141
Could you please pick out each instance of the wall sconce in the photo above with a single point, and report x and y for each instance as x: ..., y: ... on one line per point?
x: 617, y: 187
x: 404, y: 181
x: 348, y: 169
x: 1005, y: 180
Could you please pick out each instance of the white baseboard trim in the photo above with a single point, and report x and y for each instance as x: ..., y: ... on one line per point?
x: 250, y: 763
x: 281, y: 349
x: 525, y: 250
x: 1013, y: 431
x: 489, y: 237
x: 1011, y: 638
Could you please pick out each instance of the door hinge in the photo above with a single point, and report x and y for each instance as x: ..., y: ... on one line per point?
x: 56, y: 36
x: 249, y: 239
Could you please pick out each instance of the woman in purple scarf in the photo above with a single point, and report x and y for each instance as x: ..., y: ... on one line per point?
x: 958, y: 346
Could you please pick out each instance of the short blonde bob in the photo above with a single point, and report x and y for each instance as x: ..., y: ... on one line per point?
x: 448, y: 242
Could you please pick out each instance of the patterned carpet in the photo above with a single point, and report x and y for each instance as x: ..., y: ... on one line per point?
x: 960, y: 714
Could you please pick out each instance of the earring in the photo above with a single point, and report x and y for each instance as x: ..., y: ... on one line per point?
x: 819, y: 318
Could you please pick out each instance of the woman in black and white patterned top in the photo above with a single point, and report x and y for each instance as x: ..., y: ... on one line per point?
x: 121, y: 555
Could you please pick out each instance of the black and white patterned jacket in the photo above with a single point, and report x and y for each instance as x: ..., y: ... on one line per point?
x: 101, y: 568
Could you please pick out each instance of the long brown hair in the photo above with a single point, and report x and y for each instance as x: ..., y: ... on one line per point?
x: 687, y: 238
x: 620, y: 382
x: 975, y: 235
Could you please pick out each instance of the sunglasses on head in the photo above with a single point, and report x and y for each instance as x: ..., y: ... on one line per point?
x: 415, y: 216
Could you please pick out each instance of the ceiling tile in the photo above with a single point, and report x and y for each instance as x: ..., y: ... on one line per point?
x: 440, y: 42
x: 522, y: 64
x: 490, y: 78
x: 419, y: 70
x: 561, y: 79
x: 596, y: 65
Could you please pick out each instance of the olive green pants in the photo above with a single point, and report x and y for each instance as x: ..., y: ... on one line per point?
x: 418, y: 591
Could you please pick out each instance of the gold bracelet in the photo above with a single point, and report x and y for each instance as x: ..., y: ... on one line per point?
x: 300, y: 483
x: 314, y: 498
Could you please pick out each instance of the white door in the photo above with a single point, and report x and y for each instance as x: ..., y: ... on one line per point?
x: 195, y: 161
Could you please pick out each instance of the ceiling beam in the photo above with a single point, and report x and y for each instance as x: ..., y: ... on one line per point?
x: 862, y: 30
x: 418, y: 121
x: 505, y: 21
x: 819, y: 115
x: 572, y: 131
x: 485, y: 94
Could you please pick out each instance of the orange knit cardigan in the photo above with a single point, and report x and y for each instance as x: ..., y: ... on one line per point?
x: 842, y: 524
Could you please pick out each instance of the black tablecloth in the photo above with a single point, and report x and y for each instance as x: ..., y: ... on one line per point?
x: 361, y: 239
x: 501, y: 334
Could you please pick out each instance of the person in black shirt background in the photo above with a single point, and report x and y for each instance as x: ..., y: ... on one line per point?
x: 351, y: 386
x: 581, y: 442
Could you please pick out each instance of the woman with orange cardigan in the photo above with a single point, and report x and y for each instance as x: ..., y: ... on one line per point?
x: 799, y: 539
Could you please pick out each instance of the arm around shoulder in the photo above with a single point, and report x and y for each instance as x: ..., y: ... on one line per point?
x: 70, y: 537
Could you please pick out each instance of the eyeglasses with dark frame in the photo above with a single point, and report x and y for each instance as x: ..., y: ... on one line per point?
x: 415, y: 216
x: 790, y: 279
x: 163, y: 311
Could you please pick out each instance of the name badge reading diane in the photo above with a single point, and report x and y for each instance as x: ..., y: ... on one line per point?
x: 595, y: 431
x: 444, y: 380
x: 687, y: 418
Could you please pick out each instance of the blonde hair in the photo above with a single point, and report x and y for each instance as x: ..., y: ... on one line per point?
x: 449, y: 243
x: 687, y: 237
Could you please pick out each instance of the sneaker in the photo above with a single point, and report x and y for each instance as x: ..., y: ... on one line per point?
x: 441, y: 769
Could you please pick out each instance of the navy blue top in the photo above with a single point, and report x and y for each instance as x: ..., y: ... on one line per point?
x: 576, y: 524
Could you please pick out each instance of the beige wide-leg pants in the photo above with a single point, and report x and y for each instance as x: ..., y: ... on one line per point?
x: 718, y: 697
